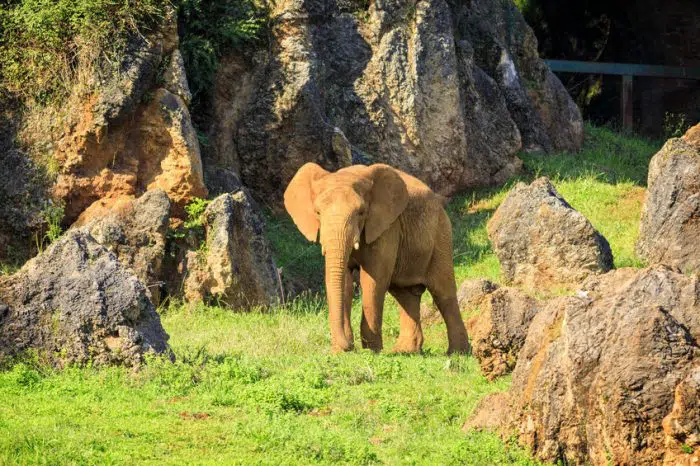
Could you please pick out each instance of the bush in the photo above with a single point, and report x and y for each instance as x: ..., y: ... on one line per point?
x: 42, y: 42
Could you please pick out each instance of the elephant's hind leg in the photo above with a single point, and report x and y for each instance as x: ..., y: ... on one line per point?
x: 410, y: 334
x: 441, y: 284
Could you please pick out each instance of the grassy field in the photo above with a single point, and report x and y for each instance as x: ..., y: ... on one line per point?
x: 263, y: 389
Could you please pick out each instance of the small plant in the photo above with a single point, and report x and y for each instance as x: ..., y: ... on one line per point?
x: 192, y: 230
x: 675, y: 125
x: 52, y: 215
x: 195, y: 213
x: 687, y: 449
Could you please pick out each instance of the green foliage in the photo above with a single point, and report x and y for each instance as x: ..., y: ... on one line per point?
x: 298, y: 258
x: 209, y: 28
x: 675, y: 125
x: 195, y: 213
x: 52, y: 216
x: 254, y: 388
x: 42, y: 42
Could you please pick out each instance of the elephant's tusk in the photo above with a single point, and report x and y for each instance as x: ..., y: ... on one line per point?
x: 357, y: 245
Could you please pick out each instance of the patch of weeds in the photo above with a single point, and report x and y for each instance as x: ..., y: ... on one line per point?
x: 52, y: 216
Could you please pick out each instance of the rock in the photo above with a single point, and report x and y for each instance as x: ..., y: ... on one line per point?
x: 127, y: 135
x: 429, y: 315
x: 609, y: 376
x: 135, y: 231
x: 498, y: 331
x: 446, y: 91
x: 682, y: 425
x: 156, y: 150
x: 235, y: 268
x: 23, y: 195
x: 472, y: 292
x: 541, y: 241
x: 76, y: 303
x: 670, y: 227
x: 505, y: 48
x: 175, y: 77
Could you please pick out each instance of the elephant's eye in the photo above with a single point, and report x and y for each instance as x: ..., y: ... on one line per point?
x: 362, y: 212
x: 317, y: 212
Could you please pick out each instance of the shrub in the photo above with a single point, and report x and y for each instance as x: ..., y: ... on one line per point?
x: 42, y: 42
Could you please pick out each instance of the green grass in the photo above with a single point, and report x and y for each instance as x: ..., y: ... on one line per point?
x: 263, y: 389
x: 253, y: 389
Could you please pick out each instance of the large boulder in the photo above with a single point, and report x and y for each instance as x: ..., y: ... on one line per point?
x: 135, y: 231
x: 670, y: 229
x: 609, y: 376
x: 447, y: 91
x: 76, y: 303
x: 541, y: 241
x: 235, y: 266
x: 498, y: 330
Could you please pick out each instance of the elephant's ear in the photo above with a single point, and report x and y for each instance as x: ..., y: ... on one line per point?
x: 389, y: 198
x: 298, y: 199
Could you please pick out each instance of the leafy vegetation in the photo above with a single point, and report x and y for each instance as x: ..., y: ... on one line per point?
x: 262, y: 388
x: 209, y: 28
x: 42, y: 42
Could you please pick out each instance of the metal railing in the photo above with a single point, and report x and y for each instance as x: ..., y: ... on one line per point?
x: 628, y: 71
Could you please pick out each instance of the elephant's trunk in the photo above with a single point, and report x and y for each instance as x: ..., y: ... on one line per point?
x: 337, y: 240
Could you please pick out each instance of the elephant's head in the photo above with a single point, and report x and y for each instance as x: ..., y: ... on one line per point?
x: 350, y: 207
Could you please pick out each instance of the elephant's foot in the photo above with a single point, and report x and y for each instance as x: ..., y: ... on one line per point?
x: 341, y: 346
x: 459, y: 347
x: 372, y: 345
x: 412, y: 344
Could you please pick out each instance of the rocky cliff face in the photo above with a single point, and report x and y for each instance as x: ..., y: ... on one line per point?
x: 130, y: 133
x: 448, y: 91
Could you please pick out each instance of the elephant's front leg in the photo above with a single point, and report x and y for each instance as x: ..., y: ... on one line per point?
x: 347, y: 324
x: 372, y: 310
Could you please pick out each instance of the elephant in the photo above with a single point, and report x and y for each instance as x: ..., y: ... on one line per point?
x: 392, y: 227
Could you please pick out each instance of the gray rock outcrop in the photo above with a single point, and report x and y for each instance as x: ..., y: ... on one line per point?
x: 23, y: 195
x: 541, y: 241
x: 75, y: 303
x: 609, y: 376
x: 135, y: 232
x: 447, y: 91
x: 235, y: 268
x: 670, y: 228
